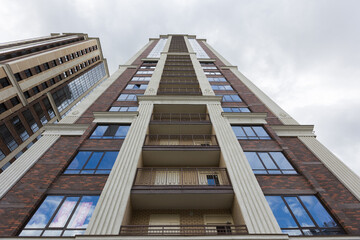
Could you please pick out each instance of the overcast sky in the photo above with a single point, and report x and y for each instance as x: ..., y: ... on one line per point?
x: 304, y: 54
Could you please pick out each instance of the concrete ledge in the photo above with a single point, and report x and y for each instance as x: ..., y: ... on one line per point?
x: 180, y: 99
x: 228, y: 67
x: 294, y: 130
x: 65, y: 129
x: 150, y: 59
x: 245, y: 118
x: 128, y: 66
x: 114, y: 117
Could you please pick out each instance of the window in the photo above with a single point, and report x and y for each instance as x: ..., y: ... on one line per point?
x: 222, y: 87
x: 66, y: 58
x: 206, y: 67
x: 60, y: 61
x: 4, y: 82
x: 110, y: 132
x: 28, y: 73
x: 236, y: 109
x: 2, y: 155
x: 231, y: 98
x: 250, y: 132
x: 19, y: 128
x: 18, y: 77
x: 123, y: 109
x: 37, y: 69
x: 269, y: 163
x: 212, y: 73
x: 136, y: 86
x: 46, y: 66
x: 3, y: 108
x: 30, y: 120
x: 54, y: 63
x: 302, y: 215
x: 87, y: 162
x: 218, y: 79
x: 144, y: 72
x: 8, y: 139
x: 36, y: 90
x: 6, y: 165
x: 52, y: 81
x: 127, y: 97
x: 212, y: 180
x: 145, y: 79
x: 65, y: 74
x: 44, y: 85
x: 14, y: 101
x: 61, y: 216
x: 147, y: 67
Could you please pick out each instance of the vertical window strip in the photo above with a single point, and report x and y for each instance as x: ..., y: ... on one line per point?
x: 200, y: 53
x: 156, y: 51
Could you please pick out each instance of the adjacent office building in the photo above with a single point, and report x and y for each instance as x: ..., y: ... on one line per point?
x: 41, y: 79
x: 178, y: 144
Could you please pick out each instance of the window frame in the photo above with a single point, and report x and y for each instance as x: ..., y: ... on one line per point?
x: 251, y: 137
x: 105, y: 137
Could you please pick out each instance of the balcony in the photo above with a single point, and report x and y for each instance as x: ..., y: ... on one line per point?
x: 183, y: 230
x: 178, y: 81
x: 181, y: 117
x: 179, y: 91
x: 188, y: 140
x: 182, y: 178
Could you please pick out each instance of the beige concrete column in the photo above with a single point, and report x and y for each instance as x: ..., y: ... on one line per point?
x: 110, y: 209
x: 345, y: 175
x: 155, y: 78
x: 257, y: 214
x: 203, y: 82
x: 13, y: 81
x: 53, y: 105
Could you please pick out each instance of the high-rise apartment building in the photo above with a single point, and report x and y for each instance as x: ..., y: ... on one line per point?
x: 178, y: 144
x: 41, y: 79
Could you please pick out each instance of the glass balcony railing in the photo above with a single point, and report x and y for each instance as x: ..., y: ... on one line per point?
x: 196, y: 140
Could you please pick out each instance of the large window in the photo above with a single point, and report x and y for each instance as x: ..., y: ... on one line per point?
x: 145, y: 72
x: 213, y: 73
x: 236, y: 109
x: 61, y: 216
x: 302, y: 215
x: 218, y: 79
x: 269, y: 163
x: 127, y: 97
x: 123, y: 109
x: 222, y: 87
x: 136, y: 86
x: 230, y: 98
x: 88, y: 162
x: 110, y: 132
x: 250, y: 132
x: 145, y: 79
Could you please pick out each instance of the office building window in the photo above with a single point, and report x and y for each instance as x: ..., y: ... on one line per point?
x: 231, y: 98
x: 222, y: 87
x: 250, y: 132
x: 3, y: 108
x: 40, y: 113
x: 87, y: 162
x: 218, y: 79
x: 303, y: 215
x: 19, y: 128
x: 236, y: 109
x: 30, y: 120
x: 60, y: 61
x: 37, y: 69
x: 2, y: 155
x: 211, y: 67
x: 54, y: 63
x: 136, y: 86
x: 145, y: 79
x: 4, y: 82
x: 46, y: 66
x: 36, y: 90
x: 127, y: 97
x: 147, y: 67
x: 14, y: 101
x: 269, y: 163
x: 61, y: 216
x: 18, y: 77
x: 123, y: 109
x: 110, y: 132
x: 144, y: 72
x: 7, y: 138
x: 28, y: 73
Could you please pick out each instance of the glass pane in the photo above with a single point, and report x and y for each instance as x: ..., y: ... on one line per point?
x: 249, y: 132
x: 267, y: 161
x: 235, y: 109
x: 110, y: 132
x: 281, y: 212
x: 30, y: 233
x: 254, y: 160
x: 94, y: 160
x: 227, y: 109
x: 239, y: 132
x: 68, y: 233
x: 235, y: 98
x: 45, y: 212
x: 83, y: 212
x: 318, y: 212
x: 132, y: 109
x: 87, y: 171
x: 79, y: 160
x: 281, y: 161
x: 122, y: 97
x: 289, y: 172
x: 122, y: 131
x: 114, y: 109
x: 64, y: 212
x: 245, y: 110
x: 299, y: 212
x: 72, y: 172
x: 99, y: 131
x: 292, y: 232
x: 102, y: 172
x: 261, y: 132
x: 108, y: 160
x: 52, y: 233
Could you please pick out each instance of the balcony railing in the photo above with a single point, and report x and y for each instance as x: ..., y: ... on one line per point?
x: 182, y: 178
x: 183, y: 230
x: 197, y: 140
x: 179, y: 81
x: 192, y: 91
x: 180, y: 117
